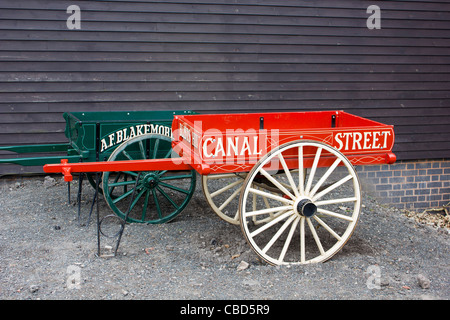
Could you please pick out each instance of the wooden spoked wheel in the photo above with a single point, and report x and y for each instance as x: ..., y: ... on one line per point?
x: 312, y: 215
x: 160, y: 195
x: 222, y: 193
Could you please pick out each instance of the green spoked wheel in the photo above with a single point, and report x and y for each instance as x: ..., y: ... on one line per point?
x: 160, y: 195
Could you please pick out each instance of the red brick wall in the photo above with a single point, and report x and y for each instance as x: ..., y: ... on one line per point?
x: 412, y: 185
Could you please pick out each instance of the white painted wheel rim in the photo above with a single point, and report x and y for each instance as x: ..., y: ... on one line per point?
x: 288, y: 237
x: 222, y: 193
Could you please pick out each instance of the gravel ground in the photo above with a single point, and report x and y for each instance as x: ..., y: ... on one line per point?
x: 45, y: 254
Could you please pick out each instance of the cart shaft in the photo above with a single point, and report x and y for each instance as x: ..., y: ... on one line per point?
x: 177, y: 164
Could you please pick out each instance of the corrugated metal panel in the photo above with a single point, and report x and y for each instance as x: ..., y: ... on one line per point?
x: 217, y: 55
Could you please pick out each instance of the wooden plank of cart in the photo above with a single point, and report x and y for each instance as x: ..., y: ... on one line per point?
x: 288, y: 179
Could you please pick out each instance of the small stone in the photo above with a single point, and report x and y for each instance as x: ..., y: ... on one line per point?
x: 384, y: 282
x: 242, y: 266
x: 251, y: 283
x: 424, y: 282
x: 49, y: 181
x: 34, y: 288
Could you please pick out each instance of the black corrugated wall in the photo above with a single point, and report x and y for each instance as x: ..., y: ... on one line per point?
x: 227, y: 56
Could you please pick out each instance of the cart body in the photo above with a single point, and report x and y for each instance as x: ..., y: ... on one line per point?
x: 235, y: 142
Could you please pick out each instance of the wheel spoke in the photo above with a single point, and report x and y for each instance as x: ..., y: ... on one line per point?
x: 268, y: 210
x: 122, y: 183
x: 158, y: 208
x: 155, y: 150
x: 315, y: 236
x: 288, y: 174
x: 288, y: 240
x: 302, y: 239
x: 271, y: 223
x: 123, y: 196
x: 141, y: 147
x: 183, y: 176
x: 236, y: 216
x: 266, y: 202
x: 276, y: 183
x: 334, y: 214
x: 167, y: 154
x: 162, y: 173
x: 279, y: 233
x: 332, y: 187
x: 233, y: 195
x: 174, y: 187
x: 269, y: 195
x: 227, y: 187
x: 144, y: 208
x: 301, y: 172
x: 137, y: 199
x: 324, y: 177
x: 130, y: 173
x: 126, y: 154
x: 111, y: 190
x: 313, y: 170
x: 167, y: 197
x: 327, y: 227
x: 334, y: 201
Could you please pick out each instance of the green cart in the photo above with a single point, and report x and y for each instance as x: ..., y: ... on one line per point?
x: 121, y: 135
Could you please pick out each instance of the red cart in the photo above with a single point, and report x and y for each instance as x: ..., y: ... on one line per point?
x: 288, y: 179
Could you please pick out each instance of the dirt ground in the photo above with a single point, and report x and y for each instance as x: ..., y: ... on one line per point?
x: 45, y: 254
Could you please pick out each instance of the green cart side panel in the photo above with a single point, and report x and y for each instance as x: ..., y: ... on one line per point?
x: 95, y: 135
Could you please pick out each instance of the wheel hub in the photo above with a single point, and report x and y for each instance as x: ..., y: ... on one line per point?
x: 150, y: 181
x: 305, y: 207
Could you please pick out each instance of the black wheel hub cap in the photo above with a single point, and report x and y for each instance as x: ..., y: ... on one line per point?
x: 306, y: 208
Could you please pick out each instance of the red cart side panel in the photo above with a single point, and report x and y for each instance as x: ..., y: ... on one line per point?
x: 235, y: 142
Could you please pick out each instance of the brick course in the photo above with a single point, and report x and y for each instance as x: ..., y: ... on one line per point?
x: 412, y: 185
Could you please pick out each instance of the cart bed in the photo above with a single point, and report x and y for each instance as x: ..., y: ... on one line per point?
x: 234, y: 142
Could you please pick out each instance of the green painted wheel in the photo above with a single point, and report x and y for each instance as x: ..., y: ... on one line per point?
x: 91, y: 178
x: 160, y: 195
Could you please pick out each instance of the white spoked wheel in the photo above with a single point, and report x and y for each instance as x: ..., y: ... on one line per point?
x: 222, y: 193
x: 312, y: 215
